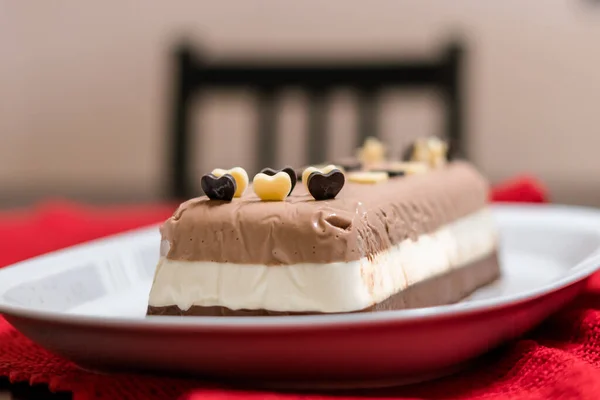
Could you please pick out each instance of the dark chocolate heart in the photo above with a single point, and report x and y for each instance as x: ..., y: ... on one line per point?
x: 288, y: 170
x: 221, y: 188
x: 326, y: 186
x: 453, y: 152
x: 408, y: 153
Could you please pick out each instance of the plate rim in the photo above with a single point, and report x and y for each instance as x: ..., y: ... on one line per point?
x: 580, y: 271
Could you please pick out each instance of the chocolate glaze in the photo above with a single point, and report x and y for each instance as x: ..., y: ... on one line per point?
x: 443, y: 289
x: 361, y: 221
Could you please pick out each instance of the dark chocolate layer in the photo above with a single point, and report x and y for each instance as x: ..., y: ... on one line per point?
x: 362, y: 220
x: 443, y: 289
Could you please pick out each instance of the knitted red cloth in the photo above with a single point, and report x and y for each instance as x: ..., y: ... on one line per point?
x: 558, y: 360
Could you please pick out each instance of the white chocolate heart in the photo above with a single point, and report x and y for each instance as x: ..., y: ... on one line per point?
x: 420, y: 151
x: 437, y: 152
x: 239, y: 174
x: 367, y: 177
x: 372, y: 151
x: 272, y: 188
x: 432, y: 151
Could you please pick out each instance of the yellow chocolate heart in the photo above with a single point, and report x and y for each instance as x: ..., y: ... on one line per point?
x: 240, y: 176
x: 324, y: 170
x: 272, y: 188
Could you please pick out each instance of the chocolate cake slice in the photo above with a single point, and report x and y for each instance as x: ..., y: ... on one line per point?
x: 412, y: 241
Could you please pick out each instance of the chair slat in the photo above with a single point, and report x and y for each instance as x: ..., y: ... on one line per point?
x: 193, y: 74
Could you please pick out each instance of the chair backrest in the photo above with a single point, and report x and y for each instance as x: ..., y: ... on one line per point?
x: 193, y: 74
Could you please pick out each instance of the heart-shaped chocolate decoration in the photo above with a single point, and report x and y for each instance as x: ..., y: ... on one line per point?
x: 367, y: 177
x: 219, y: 188
x: 272, y: 187
x: 431, y: 150
x: 288, y: 170
x: 324, y: 169
x: 240, y: 176
x: 325, y: 186
x: 409, y: 152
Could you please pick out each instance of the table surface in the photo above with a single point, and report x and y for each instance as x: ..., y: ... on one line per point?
x: 24, y: 391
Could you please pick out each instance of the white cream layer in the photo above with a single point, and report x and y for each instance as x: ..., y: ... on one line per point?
x: 333, y: 287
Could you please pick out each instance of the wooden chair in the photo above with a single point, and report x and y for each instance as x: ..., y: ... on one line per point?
x: 193, y: 74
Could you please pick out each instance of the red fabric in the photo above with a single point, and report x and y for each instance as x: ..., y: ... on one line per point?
x: 58, y: 224
x: 520, y: 189
x: 559, y: 360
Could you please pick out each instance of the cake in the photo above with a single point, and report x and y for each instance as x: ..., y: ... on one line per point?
x: 340, y: 242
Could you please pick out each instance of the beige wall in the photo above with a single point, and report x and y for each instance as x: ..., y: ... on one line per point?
x: 84, y: 85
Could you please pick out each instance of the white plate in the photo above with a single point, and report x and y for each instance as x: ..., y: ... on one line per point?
x: 88, y: 304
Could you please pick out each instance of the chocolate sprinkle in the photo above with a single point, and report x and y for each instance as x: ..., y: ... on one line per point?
x: 288, y: 170
x: 325, y: 186
x: 221, y: 188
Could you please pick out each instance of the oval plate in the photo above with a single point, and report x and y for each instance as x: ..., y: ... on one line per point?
x: 88, y: 303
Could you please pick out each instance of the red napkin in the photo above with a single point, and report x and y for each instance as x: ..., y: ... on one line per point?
x: 558, y: 360
x: 58, y: 224
x: 520, y: 189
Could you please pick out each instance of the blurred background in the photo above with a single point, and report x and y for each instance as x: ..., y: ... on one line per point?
x: 88, y: 90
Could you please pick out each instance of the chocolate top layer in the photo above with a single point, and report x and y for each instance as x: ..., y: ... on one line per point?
x: 361, y: 221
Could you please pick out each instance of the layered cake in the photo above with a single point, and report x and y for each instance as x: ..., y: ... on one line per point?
x: 340, y: 242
